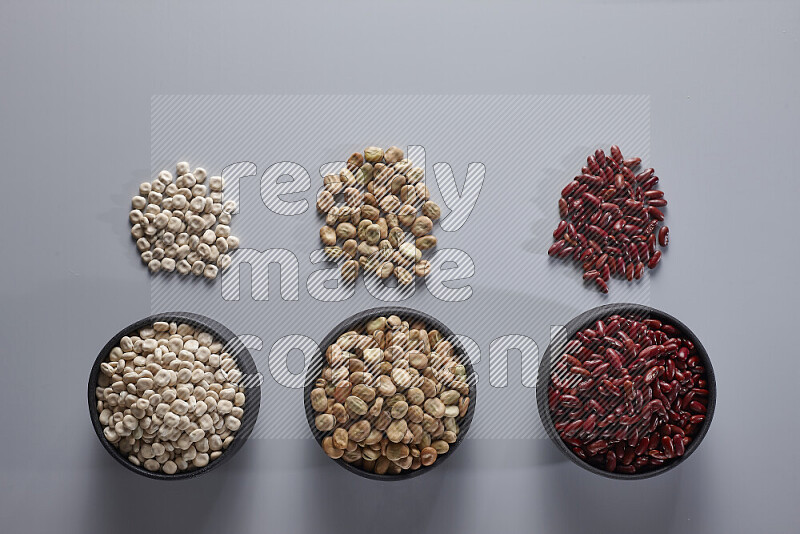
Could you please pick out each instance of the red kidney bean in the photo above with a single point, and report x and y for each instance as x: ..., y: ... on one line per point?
x: 636, y: 401
x: 678, y: 445
x: 668, y: 446
x: 654, y: 212
x: 589, y: 423
x: 632, y: 162
x: 697, y: 407
x: 555, y: 248
x: 653, y: 261
x: 614, y: 358
x: 591, y: 163
x: 611, y: 462
x: 629, y: 272
x: 596, y: 230
x: 573, y: 427
x: 596, y: 447
x: 563, y: 208
x: 591, y: 275
x: 600, y: 157
x: 569, y: 400
x: 591, y: 199
x: 663, y: 236
x: 559, y: 231
x: 616, y: 154
x: 570, y: 188
x: 601, y: 369
x: 579, y: 371
x: 601, y: 285
x: 617, y: 208
x: 670, y: 330
x: 566, y: 251
x: 645, y: 175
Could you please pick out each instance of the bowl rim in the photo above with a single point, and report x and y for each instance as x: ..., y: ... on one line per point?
x: 233, y: 346
x: 317, y: 362
x: 585, y: 320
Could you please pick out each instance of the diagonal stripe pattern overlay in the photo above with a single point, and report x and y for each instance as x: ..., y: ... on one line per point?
x: 504, y: 295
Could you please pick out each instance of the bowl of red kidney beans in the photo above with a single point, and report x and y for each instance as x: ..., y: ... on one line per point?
x: 626, y: 391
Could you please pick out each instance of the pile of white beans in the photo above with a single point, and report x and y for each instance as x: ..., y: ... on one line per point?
x: 183, y: 225
x: 169, y: 397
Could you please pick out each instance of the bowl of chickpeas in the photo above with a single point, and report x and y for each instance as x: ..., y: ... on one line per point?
x: 173, y: 395
x: 391, y: 393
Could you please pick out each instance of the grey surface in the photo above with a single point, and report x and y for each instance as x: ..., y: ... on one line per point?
x: 75, y: 137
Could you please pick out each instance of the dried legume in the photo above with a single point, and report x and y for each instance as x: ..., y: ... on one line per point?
x: 381, y: 191
x: 629, y: 394
x: 610, y: 219
x: 166, y: 213
x: 167, y: 395
x: 391, y: 397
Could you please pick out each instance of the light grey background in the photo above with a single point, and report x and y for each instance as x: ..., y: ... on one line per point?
x: 75, y: 139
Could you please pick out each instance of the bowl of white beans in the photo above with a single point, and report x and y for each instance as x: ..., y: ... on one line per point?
x: 173, y: 395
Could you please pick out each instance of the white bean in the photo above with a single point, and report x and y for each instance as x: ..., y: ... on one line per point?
x: 175, y: 225
x: 199, y: 190
x: 208, y: 237
x: 232, y: 423
x: 183, y: 267
x: 197, y: 204
x: 224, y: 261
x: 210, y: 271
x: 215, y: 183
x: 136, y: 217
x: 165, y: 177
x: 224, y: 406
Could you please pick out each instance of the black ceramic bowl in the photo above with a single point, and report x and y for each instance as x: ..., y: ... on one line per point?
x: 357, y: 321
x: 587, y: 320
x: 232, y: 345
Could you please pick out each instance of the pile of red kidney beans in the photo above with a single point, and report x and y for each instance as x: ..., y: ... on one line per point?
x: 610, y: 219
x: 628, y: 395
